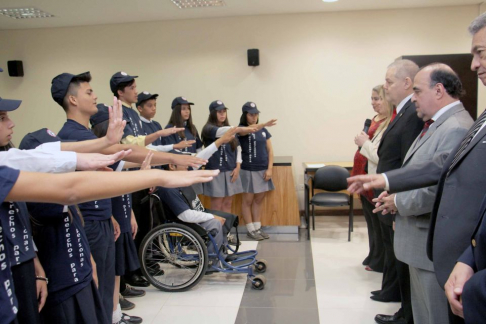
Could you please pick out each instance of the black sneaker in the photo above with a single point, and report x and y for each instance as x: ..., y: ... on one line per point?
x: 125, y: 304
x: 131, y: 319
x: 131, y: 292
x: 137, y: 281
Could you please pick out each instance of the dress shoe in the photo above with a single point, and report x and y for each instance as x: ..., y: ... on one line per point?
x: 130, y: 319
x: 125, y: 304
x: 130, y: 292
x: 390, y: 319
x: 137, y: 281
x: 376, y: 292
x: 379, y: 298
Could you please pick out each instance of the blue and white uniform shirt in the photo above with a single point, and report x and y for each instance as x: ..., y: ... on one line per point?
x: 254, y: 150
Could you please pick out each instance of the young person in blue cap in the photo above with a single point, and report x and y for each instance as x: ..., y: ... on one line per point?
x: 126, y: 258
x: 227, y: 160
x: 256, y: 169
x: 181, y: 117
x: 147, y: 107
x: 124, y: 87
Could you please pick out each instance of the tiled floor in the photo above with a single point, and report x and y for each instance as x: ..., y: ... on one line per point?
x: 317, y: 281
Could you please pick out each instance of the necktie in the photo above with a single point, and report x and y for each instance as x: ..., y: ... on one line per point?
x: 394, y: 114
x: 426, y: 127
x: 465, y: 142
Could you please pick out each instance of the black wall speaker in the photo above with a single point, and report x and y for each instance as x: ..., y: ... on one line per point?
x: 15, y: 68
x: 253, y: 57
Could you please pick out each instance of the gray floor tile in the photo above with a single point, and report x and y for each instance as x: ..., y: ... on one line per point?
x: 285, y: 249
x: 282, y: 294
x: 277, y: 316
x: 300, y: 268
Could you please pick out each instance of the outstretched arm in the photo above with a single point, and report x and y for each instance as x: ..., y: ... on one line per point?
x: 77, y: 187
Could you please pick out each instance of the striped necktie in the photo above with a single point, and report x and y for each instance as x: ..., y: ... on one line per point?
x: 465, y: 142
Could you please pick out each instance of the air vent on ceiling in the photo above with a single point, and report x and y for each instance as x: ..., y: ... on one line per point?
x: 187, y: 4
x: 24, y: 13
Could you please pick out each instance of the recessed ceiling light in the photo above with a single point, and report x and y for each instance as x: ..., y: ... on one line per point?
x: 330, y: 0
x: 187, y: 4
x: 24, y: 13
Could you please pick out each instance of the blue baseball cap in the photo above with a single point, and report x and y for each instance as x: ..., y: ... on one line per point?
x: 60, y: 85
x: 180, y: 101
x: 34, y: 139
x: 217, y: 105
x: 120, y: 77
x: 251, y: 108
x: 9, y: 104
x: 144, y: 96
x: 102, y: 115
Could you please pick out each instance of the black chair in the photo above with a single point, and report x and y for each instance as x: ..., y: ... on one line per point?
x: 330, y: 178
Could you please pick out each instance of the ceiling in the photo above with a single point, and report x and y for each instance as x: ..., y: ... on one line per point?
x: 98, y: 12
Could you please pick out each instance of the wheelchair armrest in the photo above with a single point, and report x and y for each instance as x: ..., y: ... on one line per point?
x: 223, y: 214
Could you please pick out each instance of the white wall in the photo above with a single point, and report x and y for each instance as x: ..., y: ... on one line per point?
x: 315, y: 75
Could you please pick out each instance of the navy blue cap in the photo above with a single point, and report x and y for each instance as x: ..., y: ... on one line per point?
x: 180, y: 101
x: 250, y: 107
x: 217, y: 105
x: 34, y: 139
x: 9, y: 104
x: 60, y: 85
x: 144, y: 96
x: 102, y: 115
x: 118, y: 78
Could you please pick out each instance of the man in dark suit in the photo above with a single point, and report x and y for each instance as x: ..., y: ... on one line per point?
x: 461, y: 178
x: 394, y: 145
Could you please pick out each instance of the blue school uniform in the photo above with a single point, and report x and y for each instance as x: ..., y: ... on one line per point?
x: 98, y: 226
x: 254, y: 150
x: 176, y: 138
x: 176, y: 201
x: 8, y: 301
x: 63, y: 250
x: 153, y: 127
x: 134, y: 124
x: 122, y: 211
x: 224, y: 159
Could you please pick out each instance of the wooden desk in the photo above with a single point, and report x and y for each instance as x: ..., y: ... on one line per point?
x: 280, y: 206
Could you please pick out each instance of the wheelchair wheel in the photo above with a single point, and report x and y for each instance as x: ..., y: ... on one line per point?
x: 258, y: 282
x: 261, y: 266
x: 173, y: 257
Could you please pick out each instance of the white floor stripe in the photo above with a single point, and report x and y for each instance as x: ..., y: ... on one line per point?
x: 216, y: 300
x: 342, y: 285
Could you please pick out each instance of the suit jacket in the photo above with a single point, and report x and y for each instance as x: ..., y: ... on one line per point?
x: 414, y: 207
x: 474, y: 295
x: 457, y: 202
x: 396, y: 141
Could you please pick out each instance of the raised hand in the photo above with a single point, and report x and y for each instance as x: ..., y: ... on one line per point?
x: 360, y: 183
x: 116, y: 125
x: 183, y: 144
x: 188, y: 160
x: 270, y: 123
x: 169, y: 131
x: 186, y: 178
x: 96, y: 161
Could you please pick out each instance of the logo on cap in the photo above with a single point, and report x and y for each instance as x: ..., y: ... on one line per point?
x: 106, y: 105
x: 183, y: 98
x: 219, y: 102
x: 252, y: 105
x: 51, y: 133
x: 146, y: 93
x: 123, y: 73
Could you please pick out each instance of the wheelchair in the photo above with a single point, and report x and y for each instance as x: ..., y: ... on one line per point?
x: 174, y: 255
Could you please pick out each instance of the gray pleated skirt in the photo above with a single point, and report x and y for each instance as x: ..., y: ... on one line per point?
x: 221, y: 186
x: 253, y: 182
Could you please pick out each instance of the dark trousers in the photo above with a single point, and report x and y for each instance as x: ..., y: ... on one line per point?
x: 376, y: 256
x: 26, y: 291
x: 403, y: 273
x: 102, y: 244
x: 390, y: 287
